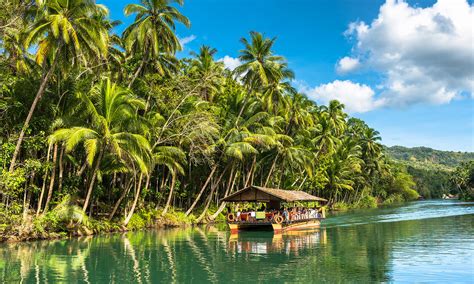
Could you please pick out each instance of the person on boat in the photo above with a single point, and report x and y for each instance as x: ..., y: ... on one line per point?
x: 252, y: 215
x: 312, y: 213
x: 286, y: 214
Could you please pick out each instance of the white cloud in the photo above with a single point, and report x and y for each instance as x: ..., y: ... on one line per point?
x: 423, y: 54
x: 185, y: 40
x: 347, y: 64
x: 230, y: 62
x: 356, y: 97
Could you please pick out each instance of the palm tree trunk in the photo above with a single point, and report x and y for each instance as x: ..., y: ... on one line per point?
x: 122, y: 196
x: 82, y: 169
x: 61, y: 168
x: 208, y: 203
x: 39, y: 94
x: 43, y: 188
x: 223, y: 204
x: 271, y: 170
x: 244, y: 103
x: 27, y: 196
x: 202, y: 191
x: 142, y: 64
x: 91, y: 183
x: 170, y: 196
x: 135, y: 201
x: 250, y: 172
x: 53, y: 176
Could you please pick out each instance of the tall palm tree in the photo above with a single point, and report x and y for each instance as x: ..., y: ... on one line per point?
x: 335, y: 116
x: 67, y: 34
x: 344, y: 166
x: 207, y: 73
x: 153, y: 31
x: 325, y: 140
x: 260, y: 67
x: 111, y: 112
x: 173, y: 158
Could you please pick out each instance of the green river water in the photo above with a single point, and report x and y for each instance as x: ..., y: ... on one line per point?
x: 426, y: 241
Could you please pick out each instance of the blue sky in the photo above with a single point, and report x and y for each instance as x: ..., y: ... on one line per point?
x: 408, y: 69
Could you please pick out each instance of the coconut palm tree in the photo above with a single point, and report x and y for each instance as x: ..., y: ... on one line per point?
x: 66, y: 35
x: 111, y: 112
x: 344, y: 166
x: 325, y: 140
x: 260, y: 67
x: 207, y: 73
x: 173, y: 158
x: 153, y: 31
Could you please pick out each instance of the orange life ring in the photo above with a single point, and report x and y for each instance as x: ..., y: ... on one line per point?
x: 231, y: 217
x: 279, y: 219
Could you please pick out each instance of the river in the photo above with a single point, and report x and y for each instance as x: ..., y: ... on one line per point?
x: 426, y: 241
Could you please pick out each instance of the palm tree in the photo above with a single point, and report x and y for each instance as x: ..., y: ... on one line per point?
x: 325, y: 140
x: 276, y: 96
x: 371, y: 149
x: 298, y: 113
x: 344, y: 166
x: 173, y: 158
x: 336, y: 116
x: 260, y: 67
x: 112, y: 114
x: 153, y: 31
x: 67, y: 35
x: 206, y: 72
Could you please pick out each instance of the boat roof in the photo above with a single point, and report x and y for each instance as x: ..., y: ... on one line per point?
x: 264, y: 194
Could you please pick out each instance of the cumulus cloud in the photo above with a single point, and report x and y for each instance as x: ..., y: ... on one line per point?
x: 347, y: 64
x: 230, y: 62
x: 185, y: 40
x: 425, y: 55
x: 356, y: 97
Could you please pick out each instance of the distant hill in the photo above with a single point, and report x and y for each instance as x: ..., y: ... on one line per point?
x: 429, y: 168
x: 428, y: 156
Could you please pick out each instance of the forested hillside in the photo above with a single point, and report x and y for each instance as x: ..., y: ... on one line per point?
x: 427, y: 155
x: 432, y: 170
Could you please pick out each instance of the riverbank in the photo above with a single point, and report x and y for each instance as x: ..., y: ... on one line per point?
x: 62, y: 223
x: 54, y: 225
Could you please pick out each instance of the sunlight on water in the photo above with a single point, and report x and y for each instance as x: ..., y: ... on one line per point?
x: 429, y: 241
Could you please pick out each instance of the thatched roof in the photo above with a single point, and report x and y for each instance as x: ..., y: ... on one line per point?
x: 264, y: 194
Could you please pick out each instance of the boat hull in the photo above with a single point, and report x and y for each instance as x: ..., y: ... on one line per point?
x: 277, y: 228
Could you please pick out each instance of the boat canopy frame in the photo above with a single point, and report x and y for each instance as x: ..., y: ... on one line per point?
x: 264, y: 194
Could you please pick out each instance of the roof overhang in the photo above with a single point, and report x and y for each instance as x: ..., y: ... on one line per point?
x: 263, y: 194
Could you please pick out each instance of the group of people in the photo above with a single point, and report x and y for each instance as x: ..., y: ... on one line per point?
x: 288, y: 214
x: 300, y: 213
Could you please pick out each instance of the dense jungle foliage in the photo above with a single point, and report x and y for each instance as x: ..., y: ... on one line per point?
x: 103, y: 131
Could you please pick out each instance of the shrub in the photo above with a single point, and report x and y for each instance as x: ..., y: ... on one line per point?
x: 394, y: 198
x: 367, y: 201
x: 136, y: 222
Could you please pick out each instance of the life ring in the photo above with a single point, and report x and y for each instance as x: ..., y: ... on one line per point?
x: 279, y: 219
x: 231, y: 217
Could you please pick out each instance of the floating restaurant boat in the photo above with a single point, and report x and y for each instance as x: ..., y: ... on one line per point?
x: 275, y: 217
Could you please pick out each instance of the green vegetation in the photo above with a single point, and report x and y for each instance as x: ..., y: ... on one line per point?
x: 104, y: 132
x: 462, y: 178
x: 431, y: 169
x: 428, y: 156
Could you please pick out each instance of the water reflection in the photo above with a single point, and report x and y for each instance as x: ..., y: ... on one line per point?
x: 268, y: 242
x: 434, y: 249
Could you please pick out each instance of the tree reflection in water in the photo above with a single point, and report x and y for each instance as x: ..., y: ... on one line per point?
x: 373, y: 252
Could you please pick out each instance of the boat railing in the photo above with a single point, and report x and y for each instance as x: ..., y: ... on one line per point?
x: 256, y: 217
